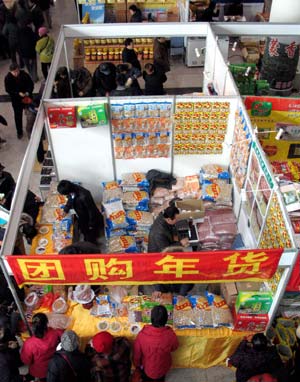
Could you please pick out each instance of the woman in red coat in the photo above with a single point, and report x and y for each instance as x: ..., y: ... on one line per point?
x: 39, y: 349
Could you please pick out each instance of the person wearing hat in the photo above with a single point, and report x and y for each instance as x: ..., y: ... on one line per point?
x: 104, y: 79
x: 45, y: 48
x: 19, y: 85
x: 68, y: 364
x: 110, y: 358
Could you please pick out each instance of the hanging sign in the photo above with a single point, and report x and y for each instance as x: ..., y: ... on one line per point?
x: 96, y: 12
x: 123, y: 269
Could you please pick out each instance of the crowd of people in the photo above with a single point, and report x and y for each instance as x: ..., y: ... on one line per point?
x: 53, y: 355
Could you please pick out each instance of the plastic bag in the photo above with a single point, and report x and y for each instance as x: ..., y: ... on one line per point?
x: 47, y: 300
x: 58, y: 321
x: 60, y: 305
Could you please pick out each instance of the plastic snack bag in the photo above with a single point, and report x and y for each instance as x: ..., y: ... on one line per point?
x: 115, y: 214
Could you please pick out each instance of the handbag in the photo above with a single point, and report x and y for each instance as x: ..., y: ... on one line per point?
x: 136, y: 375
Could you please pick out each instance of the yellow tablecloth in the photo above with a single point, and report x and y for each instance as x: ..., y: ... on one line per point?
x: 199, y: 348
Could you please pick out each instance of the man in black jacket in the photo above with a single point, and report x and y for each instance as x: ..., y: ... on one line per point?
x: 18, y: 85
x: 154, y: 80
x: 69, y: 364
x: 136, y: 14
x: 104, y: 79
x: 162, y: 233
x: 80, y: 199
x: 129, y: 55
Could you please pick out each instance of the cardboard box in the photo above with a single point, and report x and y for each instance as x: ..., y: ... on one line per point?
x: 190, y: 209
x: 229, y: 292
x: 248, y: 286
x: 250, y: 322
x: 253, y: 302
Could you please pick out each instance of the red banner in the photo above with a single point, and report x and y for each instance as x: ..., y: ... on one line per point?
x: 294, y: 281
x: 192, y: 267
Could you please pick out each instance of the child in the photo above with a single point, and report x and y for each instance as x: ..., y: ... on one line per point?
x: 153, y: 346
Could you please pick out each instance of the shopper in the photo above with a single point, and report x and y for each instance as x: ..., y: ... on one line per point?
x: 10, y: 32
x: 110, y: 358
x: 4, y: 123
x: 256, y: 357
x: 153, y: 346
x: 45, y: 7
x: 36, y: 15
x: 82, y: 82
x: 132, y: 74
x: 19, y: 85
x: 9, y: 354
x: 161, y: 55
x: 38, y: 350
x: 135, y: 14
x: 162, y: 233
x: 61, y: 86
x: 121, y: 90
x: 154, y: 80
x: 209, y: 13
x: 90, y: 220
x: 7, y: 186
x: 27, y: 40
x: 104, y: 79
x: 80, y: 247
x: 45, y: 48
x: 68, y: 364
x: 129, y: 54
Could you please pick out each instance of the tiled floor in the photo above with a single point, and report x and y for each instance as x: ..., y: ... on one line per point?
x: 11, y: 155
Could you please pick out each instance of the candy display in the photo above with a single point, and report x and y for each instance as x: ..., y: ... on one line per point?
x: 141, y: 130
x: 275, y: 233
x: 200, y: 127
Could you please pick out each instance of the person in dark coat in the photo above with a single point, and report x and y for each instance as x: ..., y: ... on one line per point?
x: 61, y: 86
x: 68, y: 364
x: 129, y: 54
x: 18, y: 84
x: 36, y: 15
x: 110, y: 358
x: 80, y: 199
x: 208, y: 13
x: 154, y: 80
x: 3, y: 122
x: 7, y: 187
x: 132, y: 74
x: 10, y: 32
x: 162, y: 231
x: 256, y: 357
x: 104, y: 79
x: 82, y: 82
x: 27, y: 41
x: 136, y: 14
x: 161, y: 54
x: 9, y: 354
x: 80, y: 247
x: 121, y: 89
x: 45, y: 7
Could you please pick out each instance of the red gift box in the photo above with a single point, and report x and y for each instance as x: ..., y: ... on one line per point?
x: 62, y: 117
x: 250, y: 322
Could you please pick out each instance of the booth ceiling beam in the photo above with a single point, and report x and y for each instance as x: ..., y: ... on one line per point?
x: 255, y: 29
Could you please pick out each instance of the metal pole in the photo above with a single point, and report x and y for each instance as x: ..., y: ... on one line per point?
x: 14, y: 293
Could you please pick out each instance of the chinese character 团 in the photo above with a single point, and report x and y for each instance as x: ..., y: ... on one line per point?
x: 98, y: 269
x: 248, y: 263
x: 39, y: 270
x: 179, y: 267
x: 291, y: 49
x: 273, y: 47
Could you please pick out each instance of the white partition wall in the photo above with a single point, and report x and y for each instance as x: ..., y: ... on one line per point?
x: 82, y: 154
x: 210, y: 60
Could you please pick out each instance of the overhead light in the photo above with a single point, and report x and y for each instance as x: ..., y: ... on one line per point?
x: 198, y: 54
x: 234, y: 46
x: 247, y: 72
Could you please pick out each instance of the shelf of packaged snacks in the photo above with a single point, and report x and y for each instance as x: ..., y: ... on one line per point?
x: 116, y: 52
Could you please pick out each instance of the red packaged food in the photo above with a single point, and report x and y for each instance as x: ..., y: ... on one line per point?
x: 62, y: 117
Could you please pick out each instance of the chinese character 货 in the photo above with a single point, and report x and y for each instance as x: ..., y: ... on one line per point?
x: 176, y: 266
x: 99, y: 269
x: 41, y: 269
x: 248, y: 263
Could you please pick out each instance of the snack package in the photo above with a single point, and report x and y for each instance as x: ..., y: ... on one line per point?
x: 115, y: 214
x: 221, y: 313
x: 93, y: 115
x: 165, y: 109
x: 60, y: 305
x: 202, y: 312
x: 141, y: 219
x: 183, y: 315
x: 213, y: 171
x: 138, y: 200
x: 60, y: 117
x: 83, y: 294
x: 141, y: 110
x: 147, y: 306
x: 111, y: 191
x: 134, y: 307
x: 121, y: 244
x: 117, y: 111
x: 102, y: 307
x: 129, y: 110
x: 135, y: 179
